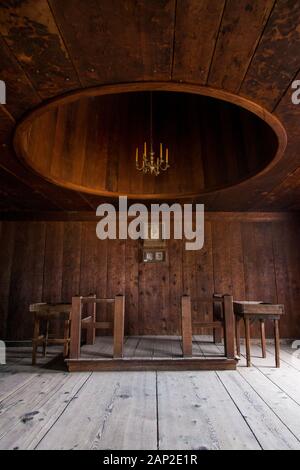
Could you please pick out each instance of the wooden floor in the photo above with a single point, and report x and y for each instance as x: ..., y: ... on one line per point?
x: 256, y: 408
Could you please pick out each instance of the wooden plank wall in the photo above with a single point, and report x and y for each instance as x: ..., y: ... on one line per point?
x: 51, y: 261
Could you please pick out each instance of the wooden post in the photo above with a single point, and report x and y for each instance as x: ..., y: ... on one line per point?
x: 238, y: 335
x: 66, y: 337
x: 247, y: 337
x: 229, y: 326
x: 217, y: 335
x: 46, y: 339
x: 218, y: 315
x: 75, y: 336
x: 36, y: 334
x: 119, y: 315
x: 277, y: 342
x: 263, y: 338
x: 91, y: 330
x: 186, y: 326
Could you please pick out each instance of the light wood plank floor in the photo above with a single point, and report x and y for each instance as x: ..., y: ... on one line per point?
x: 44, y: 407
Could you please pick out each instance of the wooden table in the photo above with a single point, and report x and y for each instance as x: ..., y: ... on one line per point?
x: 253, y: 311
x: 47, y: 312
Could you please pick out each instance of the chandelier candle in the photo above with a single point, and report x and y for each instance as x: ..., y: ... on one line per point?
x: 150, y: 164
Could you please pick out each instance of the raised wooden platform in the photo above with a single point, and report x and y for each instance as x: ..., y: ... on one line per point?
x: 151, y: 353
x: 98, y: 365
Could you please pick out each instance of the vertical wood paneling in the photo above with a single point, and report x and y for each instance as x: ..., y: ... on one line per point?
x: 222, y: 257
x: 93, y: 269
x: 154, y: 297
x: 198, y: 277
x: 287, y: 269
x: 259, y: 262
x: 237, y: 261
x: 52, y: 288
x: 205, y: 275
x: 7, y: 234
x: 53, y: 261
x: 260, y: 282
x: 89, y: 259
x: 175, y: 252
x: 53, y: 266
x: 132, y: 288
x: 71, y: 260
x: 116, y: 270
x: 26, y: 283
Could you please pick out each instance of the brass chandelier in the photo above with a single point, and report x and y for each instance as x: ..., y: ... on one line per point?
x: 150, y: 164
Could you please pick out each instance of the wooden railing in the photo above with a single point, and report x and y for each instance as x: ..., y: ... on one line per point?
x: 90, y: 324
x: 224, y: 320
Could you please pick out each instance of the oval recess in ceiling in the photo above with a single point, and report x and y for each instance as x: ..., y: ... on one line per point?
x: 86, y: 141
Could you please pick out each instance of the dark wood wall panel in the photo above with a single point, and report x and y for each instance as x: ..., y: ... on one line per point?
x: 26, y: 277
x: 53, y: 265
x: 7, y: 233
x: 252, y: 258
x: 71, y: 260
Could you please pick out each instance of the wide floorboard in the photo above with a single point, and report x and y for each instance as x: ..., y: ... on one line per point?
x: 251, y: 408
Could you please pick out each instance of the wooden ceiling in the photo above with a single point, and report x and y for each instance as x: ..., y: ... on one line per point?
x: 88, y: 142
x: 248, y: 48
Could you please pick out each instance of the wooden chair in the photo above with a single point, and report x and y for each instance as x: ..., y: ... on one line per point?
x: 223, y: 320
x: 78, y: 323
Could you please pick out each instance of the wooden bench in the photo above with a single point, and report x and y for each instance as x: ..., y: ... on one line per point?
x: 78, y: 323
x: 223, y: 320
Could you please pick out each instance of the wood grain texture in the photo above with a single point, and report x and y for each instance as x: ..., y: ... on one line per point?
x: 240, y: 31
x: 196, y: 30
x: 30, y: 31
x: 131, y: 40
x: 51, y: 261
x: 91, y: 148
x: 71, y: 260
x: 26, y: 277
x: 20, y: 92
x: 275, y: 62
x: 7, y: 236
x: 48, y: 48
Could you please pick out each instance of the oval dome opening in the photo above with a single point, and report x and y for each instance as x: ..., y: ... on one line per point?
x: 88, y: 143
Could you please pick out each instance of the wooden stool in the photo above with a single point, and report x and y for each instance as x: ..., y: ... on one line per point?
x: 47, y: 312
x: 257, y: 311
